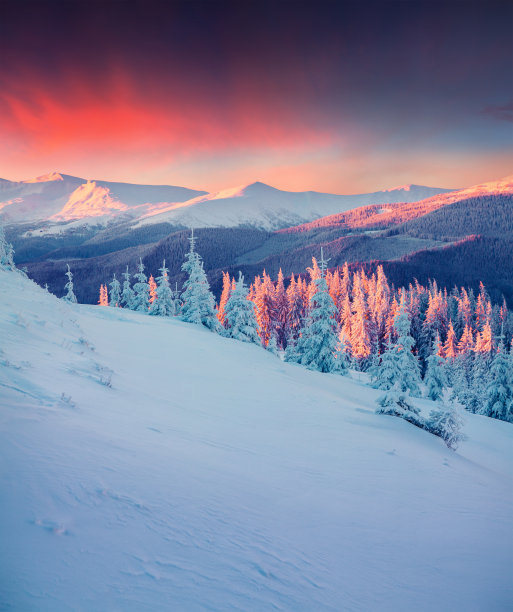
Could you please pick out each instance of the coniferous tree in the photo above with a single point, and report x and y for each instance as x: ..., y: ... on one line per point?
x: 435, y: 378
x: 141, y: 301
x: 385, y: 372
x: 396, y: 401
x: 225, y: 294
x: 6, y: 252
x: 281, y: 312
x: 164, y: 304
x: 407, y: 362
x: 239, y: 312
x: 198, y: 303
x: 264, y: 294
x: 317, y: 347
x: 499, y: 393
x: 104, y: 296
x: 115, y: 292
x: 127, y: 297
x: 153, y: 289
x: 70, y: 295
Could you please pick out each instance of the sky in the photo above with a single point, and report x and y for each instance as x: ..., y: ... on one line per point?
x: 342, y: 97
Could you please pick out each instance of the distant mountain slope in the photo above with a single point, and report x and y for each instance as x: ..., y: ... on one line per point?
x: 377, y: 216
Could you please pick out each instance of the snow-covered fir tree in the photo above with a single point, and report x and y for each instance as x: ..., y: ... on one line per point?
x: 127, y: 297
x: 115, y: 292
x: 435, y: 378
x: 396, y: 400
x: 385, y: 371
x: 498, y: 397
x: 103, y: 300
x: 164, y: 304
x: 153, y: 289
x: 239, y: 315
x: 70, y: 295
x: 407, y: 363
x: 198, y: 303
x: 6, y: 251
x: 141, y: 301
x: 318, y: 348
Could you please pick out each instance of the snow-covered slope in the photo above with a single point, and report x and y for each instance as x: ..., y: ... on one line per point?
x: 62, y: 202
x: 148, y: 464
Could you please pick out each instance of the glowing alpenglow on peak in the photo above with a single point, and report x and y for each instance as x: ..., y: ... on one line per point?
x: 89, y: 200
x: 46, y: 178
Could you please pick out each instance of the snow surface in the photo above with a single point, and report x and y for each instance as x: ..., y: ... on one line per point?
x: 209, y: 475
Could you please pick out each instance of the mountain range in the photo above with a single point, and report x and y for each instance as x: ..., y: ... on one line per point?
x: 57, y: 203
x: 459, y: 237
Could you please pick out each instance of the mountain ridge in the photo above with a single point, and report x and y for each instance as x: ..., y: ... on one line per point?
x: 55, y: 200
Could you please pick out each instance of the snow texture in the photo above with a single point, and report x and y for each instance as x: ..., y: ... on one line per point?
x: 148, y: 464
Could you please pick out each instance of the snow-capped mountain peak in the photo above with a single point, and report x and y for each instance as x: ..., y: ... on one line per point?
x: 46, y: 178
x: 89, y: 200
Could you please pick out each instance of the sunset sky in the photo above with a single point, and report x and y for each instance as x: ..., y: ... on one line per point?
x: 332, y: 96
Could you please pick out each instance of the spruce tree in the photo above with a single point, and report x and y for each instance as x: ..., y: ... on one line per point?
x: 164, y: 304
x: 127, y: 297
x: 498, y: 396
x: 239, y: 314
x: 141, y: 301
x: 318, y: 348
x: 435, y: 378
x: 198, y: 303
x: 396, y: 400
x: 6, y: 252
x: 115, y: 291
x: 70, y: 296
x: 385, y: 372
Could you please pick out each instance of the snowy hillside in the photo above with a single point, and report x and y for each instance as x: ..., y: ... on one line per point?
x: 57, y: 203
x: 152, y: 465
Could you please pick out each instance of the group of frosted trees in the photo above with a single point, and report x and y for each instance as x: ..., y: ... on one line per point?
x: 449, y: 347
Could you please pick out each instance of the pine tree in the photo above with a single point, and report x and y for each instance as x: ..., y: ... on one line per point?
x: 70, y: 296
x: 198, y: 303
x: 225, y: 294
x: 360, y: 337
x: 499, y: 392
x: 264, y: 294
x: 408, y: 365
x: 127, y: 297
x: 115, y: 290
x: 141, y: 301
x: 164, y: 304
x: 396, y: 401
x: 385, y: 372
x: 6, y: 252
x: 104, y: 297
x: 435, y: 378
x: 317, y: 348
x: 280, y: 312
x: 153, y: 289
x: 239, y: 312
x: 296, y: 310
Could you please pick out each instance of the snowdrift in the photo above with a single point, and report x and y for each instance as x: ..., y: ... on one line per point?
x: 148, y: 464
